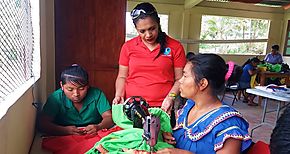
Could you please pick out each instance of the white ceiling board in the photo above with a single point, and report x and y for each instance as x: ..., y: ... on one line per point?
x: 191, y: 3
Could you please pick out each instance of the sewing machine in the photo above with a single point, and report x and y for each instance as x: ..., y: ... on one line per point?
x: 136, y: 109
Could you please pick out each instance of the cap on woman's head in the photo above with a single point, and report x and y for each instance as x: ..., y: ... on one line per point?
x: 75, y: 74
x: 143, y: 9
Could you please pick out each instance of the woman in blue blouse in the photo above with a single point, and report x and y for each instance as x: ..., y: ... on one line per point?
x: 204, y: 124
x: 249, y: 69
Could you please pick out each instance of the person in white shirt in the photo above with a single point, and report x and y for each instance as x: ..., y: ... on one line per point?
x: 274, y: 57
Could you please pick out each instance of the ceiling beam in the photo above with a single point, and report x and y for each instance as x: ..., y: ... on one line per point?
x: 191, y: 3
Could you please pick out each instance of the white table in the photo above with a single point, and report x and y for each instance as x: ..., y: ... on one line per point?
x: 269, y: 95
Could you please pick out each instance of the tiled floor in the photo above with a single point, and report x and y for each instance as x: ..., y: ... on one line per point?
x: 253, y: 114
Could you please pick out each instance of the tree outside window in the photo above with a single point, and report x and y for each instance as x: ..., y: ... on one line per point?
x: 233, y: 35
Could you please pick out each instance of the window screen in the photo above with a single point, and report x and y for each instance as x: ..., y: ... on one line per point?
x: 16, y: 45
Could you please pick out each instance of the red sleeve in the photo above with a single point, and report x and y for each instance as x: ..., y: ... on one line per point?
x: 179, y: 57
x: 124, y: 56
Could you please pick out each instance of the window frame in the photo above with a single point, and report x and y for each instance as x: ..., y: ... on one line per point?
x: 14, y: 96
x: 287, y: 39
x: 264, y: 40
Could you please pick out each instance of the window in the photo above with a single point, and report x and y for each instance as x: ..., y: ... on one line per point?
x: 131, y: 31
x: 287, y: 41
x: 19, y: 49
x: 233, y: 35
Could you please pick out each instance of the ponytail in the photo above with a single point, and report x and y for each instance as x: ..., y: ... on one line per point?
x: 161, y: 39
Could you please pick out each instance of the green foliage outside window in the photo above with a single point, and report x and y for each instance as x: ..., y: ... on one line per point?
x: 233, y: 35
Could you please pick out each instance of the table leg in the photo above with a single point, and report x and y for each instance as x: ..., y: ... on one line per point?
x: 263, y: 117
x: 264, y: 110
x: 262, y: 80
x: 278, y: 111
x: 263, y: 122
x: 287, y: 81
x: 262, y: 83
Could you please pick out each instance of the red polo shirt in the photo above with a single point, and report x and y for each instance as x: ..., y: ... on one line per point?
x: 149, y: 77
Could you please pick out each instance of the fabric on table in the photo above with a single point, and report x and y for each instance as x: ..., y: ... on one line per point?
x: 76, y: 144
x: 131, y: 138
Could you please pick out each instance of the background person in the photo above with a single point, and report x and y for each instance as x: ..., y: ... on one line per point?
x: 150, y: 64
x: 204, y: 125
x: 249, y: 69
x: 274, y: 57
x: 75, y: 108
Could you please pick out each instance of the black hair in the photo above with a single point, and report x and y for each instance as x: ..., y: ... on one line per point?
x: 250, y: 60
x: 275, y: 47
x: 189, y: 55
x: 213, y: 68
x: 75, y: 74
x: 148, y: 7
x: 280, y: 138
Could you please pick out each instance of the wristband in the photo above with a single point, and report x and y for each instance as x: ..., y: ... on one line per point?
x: 173, y: 95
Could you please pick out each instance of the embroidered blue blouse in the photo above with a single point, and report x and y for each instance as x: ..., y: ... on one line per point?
x: 208, y: 134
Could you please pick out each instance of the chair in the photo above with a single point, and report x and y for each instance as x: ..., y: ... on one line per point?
x: 234, y: 89
x: 232, y: 84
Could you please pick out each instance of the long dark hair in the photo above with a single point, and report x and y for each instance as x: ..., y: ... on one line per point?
x: 189, y: 55
x: 250, y: 60
x: 152, y: 13
x: 213, y: 68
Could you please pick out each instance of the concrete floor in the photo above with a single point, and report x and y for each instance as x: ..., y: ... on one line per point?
x: 253, y: 114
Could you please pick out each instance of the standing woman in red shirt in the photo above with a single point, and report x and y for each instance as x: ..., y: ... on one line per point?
x: 150, y: 64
